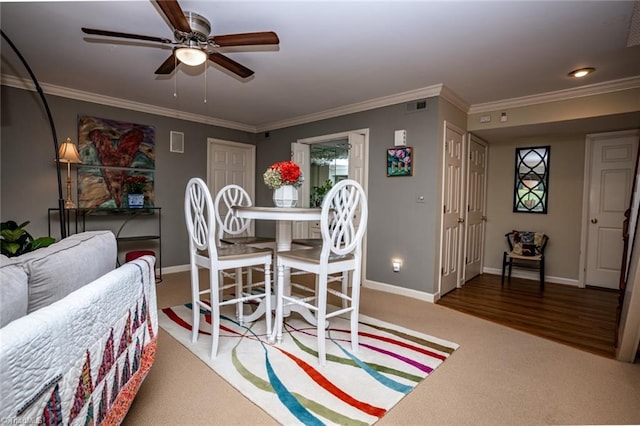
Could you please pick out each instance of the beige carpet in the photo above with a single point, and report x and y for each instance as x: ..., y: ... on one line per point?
x: 498, y: 376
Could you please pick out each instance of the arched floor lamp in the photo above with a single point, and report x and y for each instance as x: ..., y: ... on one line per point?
x: 61, y: 203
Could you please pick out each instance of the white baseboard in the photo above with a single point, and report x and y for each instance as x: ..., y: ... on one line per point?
x: 518, y: 273
x: 174, y: 269
x: 388, y: 288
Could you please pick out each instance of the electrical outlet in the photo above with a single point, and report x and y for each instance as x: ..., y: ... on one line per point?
x: 396, y: 265
x: 485, y: 118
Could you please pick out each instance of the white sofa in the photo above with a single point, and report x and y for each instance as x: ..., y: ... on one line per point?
x: 78, y: 335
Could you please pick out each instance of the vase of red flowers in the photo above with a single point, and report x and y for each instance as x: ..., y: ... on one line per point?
x: 284, y: 177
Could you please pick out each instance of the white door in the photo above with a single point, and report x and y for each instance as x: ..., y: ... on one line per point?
x: 453, y: 214
x: 230, y: 163
x: 612, y: 159
x: 357, y: 157
x: 300, y: 154
x: 476, y: 207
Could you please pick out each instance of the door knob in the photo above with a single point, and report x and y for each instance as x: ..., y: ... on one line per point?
x: 594, y: 220
x: 483, y: 218
x: 460, y: 220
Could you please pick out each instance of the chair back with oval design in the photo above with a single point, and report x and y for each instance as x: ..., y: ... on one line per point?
x: 228, y: 223
x: 344, y: 218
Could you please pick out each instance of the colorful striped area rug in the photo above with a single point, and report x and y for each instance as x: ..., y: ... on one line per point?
x: 288, y: 383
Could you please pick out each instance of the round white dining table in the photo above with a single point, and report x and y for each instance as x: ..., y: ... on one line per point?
x: 284, y: 217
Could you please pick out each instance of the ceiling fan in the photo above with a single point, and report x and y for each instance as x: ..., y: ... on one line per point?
x: 193, y: 42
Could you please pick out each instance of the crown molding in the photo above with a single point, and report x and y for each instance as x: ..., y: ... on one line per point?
x: 456, y: 100
x: 425, y: 92
x: 560, y: 95
x: 65, y: 92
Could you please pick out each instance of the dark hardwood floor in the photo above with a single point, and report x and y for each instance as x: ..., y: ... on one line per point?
x: 584, y: 318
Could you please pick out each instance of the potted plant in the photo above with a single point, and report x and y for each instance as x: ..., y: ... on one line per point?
x: 15, y: 240
x: 318, y: 193
x: 135, y: 186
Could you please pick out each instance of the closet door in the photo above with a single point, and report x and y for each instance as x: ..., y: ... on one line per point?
x: 453, y: 211
x: 476, y: 207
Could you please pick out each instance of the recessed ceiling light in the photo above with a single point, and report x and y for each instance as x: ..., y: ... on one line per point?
x: 581, y: 72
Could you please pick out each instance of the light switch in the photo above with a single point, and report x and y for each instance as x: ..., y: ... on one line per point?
x: 400, y: 138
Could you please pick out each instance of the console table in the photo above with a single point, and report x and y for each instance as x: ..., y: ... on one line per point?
x: 79, y: 216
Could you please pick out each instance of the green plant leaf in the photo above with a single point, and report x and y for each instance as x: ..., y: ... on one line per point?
x: 10, y: 249
x: 42, y: 242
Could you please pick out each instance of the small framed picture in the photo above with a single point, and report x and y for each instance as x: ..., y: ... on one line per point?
x: 400, y: 161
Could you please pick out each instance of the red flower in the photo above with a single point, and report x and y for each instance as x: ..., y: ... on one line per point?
x: 283, y: 173
x: 135, y: 184
x: 289, y: 171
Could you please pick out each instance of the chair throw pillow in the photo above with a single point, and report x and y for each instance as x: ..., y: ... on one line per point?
x: 527, y: 243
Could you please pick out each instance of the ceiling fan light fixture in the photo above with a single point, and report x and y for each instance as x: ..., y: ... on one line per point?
x: 581, y: 72
x: 191, y: 56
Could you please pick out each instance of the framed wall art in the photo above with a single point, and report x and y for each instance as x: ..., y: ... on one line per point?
x: 400, y: 161
x: 114, y: 154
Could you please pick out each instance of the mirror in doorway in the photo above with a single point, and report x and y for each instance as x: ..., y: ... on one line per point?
x: 531, y: 180
x: 329, y: 165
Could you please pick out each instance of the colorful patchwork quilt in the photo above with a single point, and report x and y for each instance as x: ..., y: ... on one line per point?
x: 81, y: 359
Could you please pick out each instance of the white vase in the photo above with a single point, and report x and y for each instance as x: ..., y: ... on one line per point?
x: 136, y: 201
x: 285, y: 196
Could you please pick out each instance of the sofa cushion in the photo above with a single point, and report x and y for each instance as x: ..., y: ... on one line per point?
x: 13, y: 290
x: 67, y: 265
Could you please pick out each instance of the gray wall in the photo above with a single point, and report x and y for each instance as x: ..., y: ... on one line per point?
x: 28, y: 175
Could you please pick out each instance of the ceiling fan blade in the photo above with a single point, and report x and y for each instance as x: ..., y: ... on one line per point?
x: 174, y: 14
x: 125, y: 35
x: 168, y: 65
x: 230, y: 64
x: 246, y: 39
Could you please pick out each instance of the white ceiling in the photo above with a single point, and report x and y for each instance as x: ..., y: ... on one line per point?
x: 331, y: 53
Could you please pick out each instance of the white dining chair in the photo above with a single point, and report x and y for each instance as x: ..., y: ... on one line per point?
x: 204, y: 252
x: 233, y: 229
x: 343, y: 223
x: 236, y: 230
x: 315, y: 243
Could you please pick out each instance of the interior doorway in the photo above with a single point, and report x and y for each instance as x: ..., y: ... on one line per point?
x: 351, y: 147
x: 329, y: 164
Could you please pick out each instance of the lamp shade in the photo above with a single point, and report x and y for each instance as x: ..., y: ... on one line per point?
x: 68, y: 153
x: 191, y: 56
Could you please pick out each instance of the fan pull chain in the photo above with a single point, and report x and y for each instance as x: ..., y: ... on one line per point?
x: 205, y: 82
x: 175, y: 76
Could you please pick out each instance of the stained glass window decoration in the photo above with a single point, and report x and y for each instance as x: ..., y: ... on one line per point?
x: 531, y: 180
